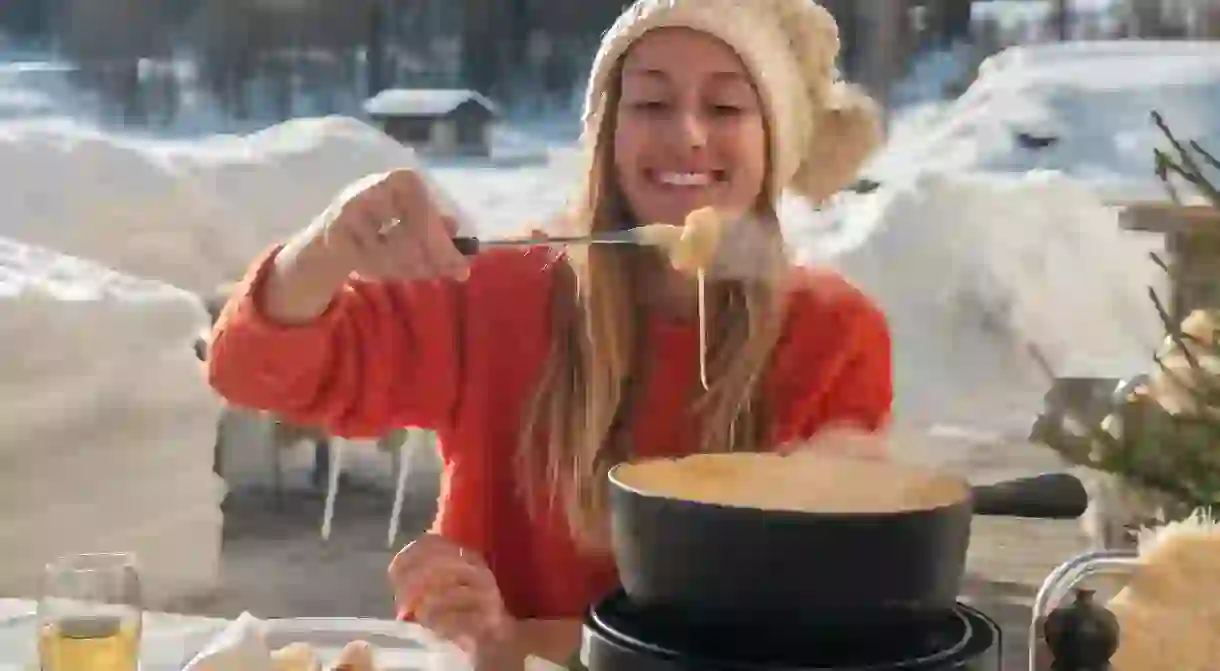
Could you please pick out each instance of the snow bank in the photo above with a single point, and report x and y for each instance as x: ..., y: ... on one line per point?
x: 973, y: 270
x: 979, y: 248
x: 108, y: 425
x: 192, y: 214
x: 1094, y: 97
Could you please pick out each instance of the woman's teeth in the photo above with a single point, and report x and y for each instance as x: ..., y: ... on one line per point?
x: 685, y: 178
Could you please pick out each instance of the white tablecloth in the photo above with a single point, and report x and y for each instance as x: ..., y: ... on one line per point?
x: 169, y: 642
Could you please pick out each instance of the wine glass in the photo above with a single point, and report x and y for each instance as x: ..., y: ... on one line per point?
x: 90, y: 614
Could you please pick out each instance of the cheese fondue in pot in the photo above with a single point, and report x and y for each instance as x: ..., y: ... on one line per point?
x: 802, y: 482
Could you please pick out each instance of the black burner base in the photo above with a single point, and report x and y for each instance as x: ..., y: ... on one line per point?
x: 619, y: 636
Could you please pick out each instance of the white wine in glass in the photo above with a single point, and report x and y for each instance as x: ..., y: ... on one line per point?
x: 90, y: 614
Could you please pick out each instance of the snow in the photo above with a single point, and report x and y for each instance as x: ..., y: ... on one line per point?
x: 980, y: 250
x: 972, y: 270
x: 422, y: 102
x: 108, y: 423
x: 190, y: 213
x: 1096, y: 97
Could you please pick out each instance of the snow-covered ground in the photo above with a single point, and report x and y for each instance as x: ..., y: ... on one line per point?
x: 978, y: 248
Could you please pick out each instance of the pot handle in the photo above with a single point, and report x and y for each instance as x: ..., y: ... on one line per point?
x: 1047, y: 496
x: 1064, y: 579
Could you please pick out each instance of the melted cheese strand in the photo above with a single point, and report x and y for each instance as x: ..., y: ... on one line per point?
x: 702, y: 289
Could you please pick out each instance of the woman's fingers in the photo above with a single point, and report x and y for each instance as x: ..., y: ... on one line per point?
x: 417, y: 552
x: 372, y: 210
x: 437, y: 243
x: 429, y: 550
x: 460, y: 611
x: 460, y: 269
x: 411, y: 202
x: 383, y: 226
x: 397, y: 231
x: 448, y: 590
x: 451, y: 224
x: 431, y: 563
x: 431, y: 230
x: 441, y: 575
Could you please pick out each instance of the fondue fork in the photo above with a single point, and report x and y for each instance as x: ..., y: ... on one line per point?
x: 469, y: 245
x: 648, y: 235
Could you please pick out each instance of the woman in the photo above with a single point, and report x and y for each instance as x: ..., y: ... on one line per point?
x: 540, y: 370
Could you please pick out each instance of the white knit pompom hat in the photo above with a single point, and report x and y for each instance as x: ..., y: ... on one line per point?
x: 822, y: 129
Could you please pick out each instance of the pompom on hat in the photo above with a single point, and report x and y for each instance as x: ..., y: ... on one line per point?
x: 822, y: 129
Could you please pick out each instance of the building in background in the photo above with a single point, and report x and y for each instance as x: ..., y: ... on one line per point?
x: 435, y: 121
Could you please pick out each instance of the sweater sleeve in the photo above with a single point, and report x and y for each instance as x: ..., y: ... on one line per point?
x: 862, y: 392
x: 836, y: 362
x: 382, y: 355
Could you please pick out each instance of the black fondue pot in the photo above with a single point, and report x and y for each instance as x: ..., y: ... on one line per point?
x: 773, y: 576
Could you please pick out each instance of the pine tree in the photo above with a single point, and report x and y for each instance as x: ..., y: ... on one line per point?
x: 1165, y: 436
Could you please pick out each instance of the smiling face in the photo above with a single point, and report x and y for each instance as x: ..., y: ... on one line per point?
x: 690, y: 129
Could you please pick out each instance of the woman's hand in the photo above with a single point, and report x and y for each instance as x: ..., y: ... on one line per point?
x: 452, y: 592
x: 384, y: 227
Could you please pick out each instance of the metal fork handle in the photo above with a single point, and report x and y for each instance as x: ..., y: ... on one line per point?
x: 470, y: 245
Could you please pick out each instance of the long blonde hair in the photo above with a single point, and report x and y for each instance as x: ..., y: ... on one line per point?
x: 578, y: 423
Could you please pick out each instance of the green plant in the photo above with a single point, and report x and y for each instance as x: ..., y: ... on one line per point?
x: 1174, y: 451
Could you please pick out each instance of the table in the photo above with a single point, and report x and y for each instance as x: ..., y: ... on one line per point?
x: 171, y: 640
x: 1192, y: 250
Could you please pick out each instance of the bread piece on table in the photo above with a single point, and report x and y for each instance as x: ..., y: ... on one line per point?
x: 356, y: 656
x: 295, y: 657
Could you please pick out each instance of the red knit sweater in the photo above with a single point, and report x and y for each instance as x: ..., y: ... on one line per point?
x: 462, y: 359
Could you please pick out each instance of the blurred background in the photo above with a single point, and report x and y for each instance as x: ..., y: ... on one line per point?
x: 185, y: 63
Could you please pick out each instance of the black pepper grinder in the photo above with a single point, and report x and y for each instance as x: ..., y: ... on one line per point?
x: 1082, y: 636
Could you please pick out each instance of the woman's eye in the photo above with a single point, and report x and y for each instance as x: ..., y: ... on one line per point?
x: 725, y: 109
x: 648, y: 105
